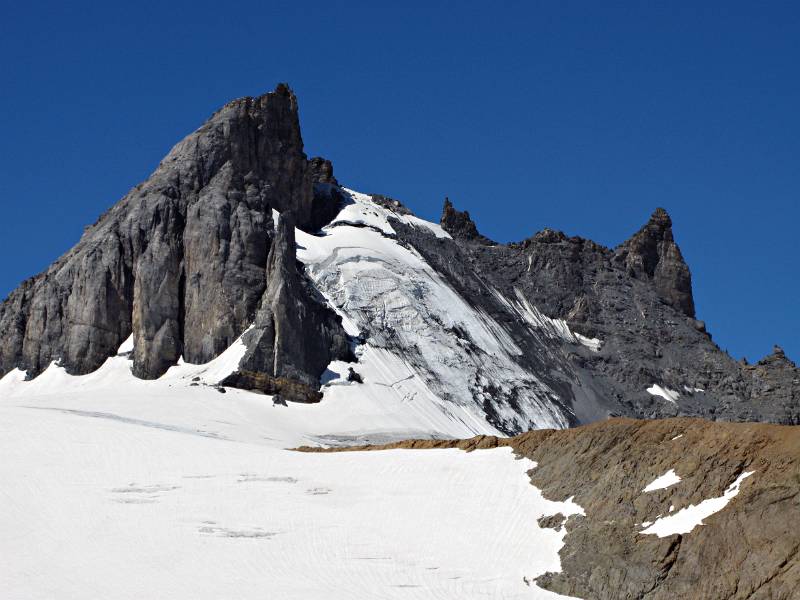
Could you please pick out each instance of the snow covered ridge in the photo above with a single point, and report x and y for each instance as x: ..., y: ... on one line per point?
x: 445, y: 352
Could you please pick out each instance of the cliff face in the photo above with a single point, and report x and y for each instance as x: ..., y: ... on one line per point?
x: 181, y: 261
x: 294, y: 334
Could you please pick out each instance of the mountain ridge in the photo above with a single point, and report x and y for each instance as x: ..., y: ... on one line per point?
x: 182, y: 263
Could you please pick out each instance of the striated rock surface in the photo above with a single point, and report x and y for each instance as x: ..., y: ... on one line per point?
x: 633, y: 336
x: 747, y: 547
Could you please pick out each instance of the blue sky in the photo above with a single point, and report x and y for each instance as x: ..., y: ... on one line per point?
x: 580, y: 116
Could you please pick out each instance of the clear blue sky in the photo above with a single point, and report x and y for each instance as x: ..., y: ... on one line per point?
x: 581, y: 116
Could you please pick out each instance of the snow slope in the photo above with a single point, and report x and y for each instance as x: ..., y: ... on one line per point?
x: 457, y: 356
x: 119, y: 488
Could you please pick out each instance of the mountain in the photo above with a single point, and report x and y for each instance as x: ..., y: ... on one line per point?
x: 181, y: 394
x: 237, y: 234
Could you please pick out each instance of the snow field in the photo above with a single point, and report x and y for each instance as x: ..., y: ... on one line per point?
x: 99, y: 505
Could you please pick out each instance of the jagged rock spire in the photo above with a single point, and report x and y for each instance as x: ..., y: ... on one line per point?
x: 459, y: 224
x: 653, y: 254
x: 180, y: 261
x: 294, y: 336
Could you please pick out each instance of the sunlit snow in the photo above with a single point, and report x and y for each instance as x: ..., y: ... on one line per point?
x: 445, y: 353
x: 664, y: 481
x: 666, y: 393
x: 686, y: 519
x: 115, y: 487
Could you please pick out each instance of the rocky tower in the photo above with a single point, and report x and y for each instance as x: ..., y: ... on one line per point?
x: 653, y: 254
x: 181, y: 261
x: 460, y: 225
x: 295, y: 335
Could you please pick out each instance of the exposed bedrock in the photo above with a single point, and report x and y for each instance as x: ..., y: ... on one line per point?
x: 295, y: 335
x: 652, y: 253
x: 460, y: 225
x: 181, y: 261
x: 636, y: 301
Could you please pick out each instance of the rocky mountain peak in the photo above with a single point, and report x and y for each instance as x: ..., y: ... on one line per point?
x: 460, y: 225
x: 548, y: 236
x: 777, y: 358
x: 651, y: 253
x: 180, y: 261
x: 661, y: 220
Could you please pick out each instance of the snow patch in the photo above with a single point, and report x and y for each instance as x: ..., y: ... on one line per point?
x: 666, y: 393
x: 552, y: 328
x: 215, y: 370
x: 686, y: 519
x: 664, y: 481
x: 593, y: 344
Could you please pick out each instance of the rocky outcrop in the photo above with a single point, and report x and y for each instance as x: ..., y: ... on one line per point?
x: 653, y: 254
x: 321, y: 171
x: 460, y: 225
x: 749, y: 548
x: 642, y: 339
x: 181, y: 261
x: 295, y: 335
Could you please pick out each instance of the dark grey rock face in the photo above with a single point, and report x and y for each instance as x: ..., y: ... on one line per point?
x: 460, y: 225
x: 637, y: 300
x: 321, y: 171
x: 653, y: 254
x: 295, y: 335
x: 181, y: 261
